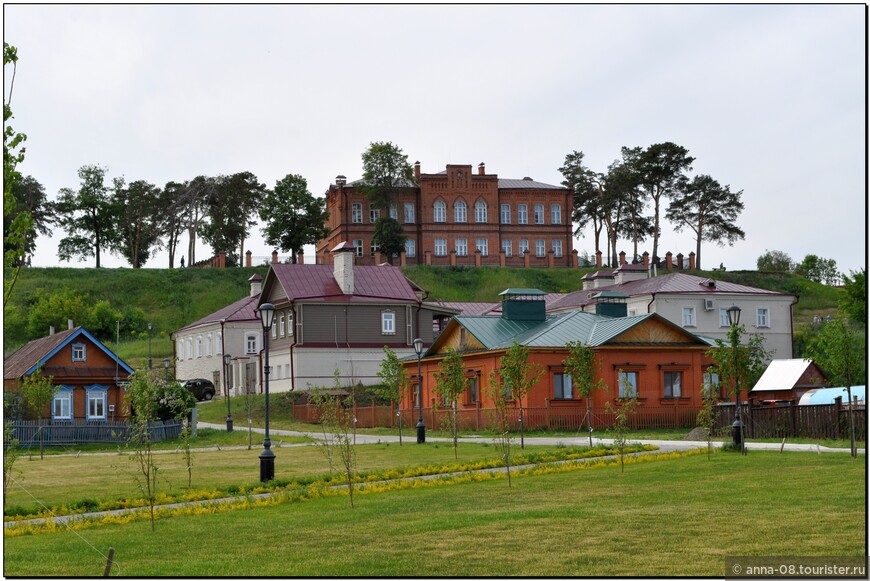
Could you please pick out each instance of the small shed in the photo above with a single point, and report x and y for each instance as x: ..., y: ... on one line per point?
x: 827, y: 395
x: 788, y: 380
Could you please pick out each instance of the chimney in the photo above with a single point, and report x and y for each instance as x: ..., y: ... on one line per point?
x: 342, y: 267
x: 691, y: 261
x: 417, y: 170
x: 69, y: 324
x: 481, y: 169
x: 340, y: 180
x: 50, y: 330
x: 256, y: 284
x: 248, y: 259
x: 274, y: 257
x: 523, y: 304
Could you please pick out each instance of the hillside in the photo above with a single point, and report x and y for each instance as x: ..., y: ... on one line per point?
x: 171, y: 298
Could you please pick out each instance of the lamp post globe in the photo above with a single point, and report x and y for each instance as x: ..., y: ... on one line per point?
x: 166, y: 367
x: 228, y: 359
x: 267, y: 457
x: 737, y: 427
x: 421, y: 427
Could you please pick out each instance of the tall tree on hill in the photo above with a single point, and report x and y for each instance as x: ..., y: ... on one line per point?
x: 661, y: 170
x: 293, y: 217
x: 636, y: 226
x: 386, y: 171
x: 172, y: 219
x: 230, y: 207
x: 87, y: 215
x: 708, y: 209
x: 586, y: 186
x: 854, y: 301
x: 138, y: 220
x: 30, y: 199
x: 194, y: 201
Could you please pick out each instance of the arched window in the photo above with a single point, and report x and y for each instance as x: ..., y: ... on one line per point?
x: 480, y: 211
x: 460, y: 211
x: 440, y: 211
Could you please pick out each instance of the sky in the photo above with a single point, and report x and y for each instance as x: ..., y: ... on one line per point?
x: 769, y: 99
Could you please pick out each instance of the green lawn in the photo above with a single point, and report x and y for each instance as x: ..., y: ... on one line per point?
x: 670, y: 518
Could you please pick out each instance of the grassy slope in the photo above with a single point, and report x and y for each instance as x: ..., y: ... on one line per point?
x: 173, y: 298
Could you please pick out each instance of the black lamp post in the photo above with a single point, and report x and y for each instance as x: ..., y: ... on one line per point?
x: 267, y: 458
x: 166, y: 367
x: 737, y: 427
x: 421, y: 427
x: 227, y: 362
x: 149, y: 345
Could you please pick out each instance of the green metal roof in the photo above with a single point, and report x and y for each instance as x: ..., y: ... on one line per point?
x: 610, y: 295
x: 521, y: 292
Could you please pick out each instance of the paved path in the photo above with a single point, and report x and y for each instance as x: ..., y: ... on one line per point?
x: 663, y: 445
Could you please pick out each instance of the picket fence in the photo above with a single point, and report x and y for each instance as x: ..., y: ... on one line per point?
x: 39, y: 432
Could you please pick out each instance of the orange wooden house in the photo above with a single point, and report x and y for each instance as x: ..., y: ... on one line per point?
x: 90, y: 377
x: 665, y: 365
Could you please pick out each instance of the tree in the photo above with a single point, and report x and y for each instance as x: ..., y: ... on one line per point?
x: 38, y: 391
x: 20, y: 223
x: 581, y: 365
x: 229, y: 207
x: 389, y: 237
x: 449, y: 383
x: 619, y: 199
x: 706, y: 418
x: 661, y: 172
x: 708, y: 209
x: 393, y: 381
x: 88, y: 216
x: 337, y: 424
x: 774, y: 261
x: 386, y: 172
x: 739, y: 368
x: 193, y: 204
x: 171, y: 217
x: 29, y: 196
x: 821, y: 270
x: 293, y: 217
x: 54, y: 309
x: 854, y: 301
x: 501, y: 421
x: 622, y: 411
x: 138, y: 220
x: 142, y: 394
x: 587, y: 201
x: 518, y: 377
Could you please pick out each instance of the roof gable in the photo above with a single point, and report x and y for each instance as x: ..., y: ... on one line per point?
x: 39, y: 351
x: 244, y: 309
x: 784, y: 374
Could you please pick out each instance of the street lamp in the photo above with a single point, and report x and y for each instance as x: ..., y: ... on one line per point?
x: 737, y: 428
x: 149, y: 345
x: 166, y: 367
x: 421, y: 427
x: 267, y: 458
x: 227, y: 361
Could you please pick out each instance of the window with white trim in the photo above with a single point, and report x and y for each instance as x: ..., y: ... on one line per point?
x: 409, y: 213
x: 179, y: 349
x: 440, y: 211
x: 96, y: 403
x: 673, y: 383
x: 440, y: 247
x: 198, y: 346
x: 505, y: 213
x: 557, y: 248
x: 461, y: 247
x: 555, y: 214
x: 374, y: 248
x: 374, y: 215
x: 507, y: 248
x: 208, y: 345
x: 251, y: 343
x: 189, y: 351
x: 523, y: 247
x: 290, y: 324
x: 62, y: 404
x: 410, y: 247
x: 388, y: 323
x: 480, y: 211
x: 539, y: 213
x: 540, y: 248
x: 723, y: 318
x: 688, y: 316
x: 281, y: 325
x: 627, y: 381
x: 79, y: 352
x: 356, y: 213
x: 460, y: 211
x: 218, y: 344
x: 483, y: 246
x: 358, y: 247
x: 762, y: 317
x: 522, y: 214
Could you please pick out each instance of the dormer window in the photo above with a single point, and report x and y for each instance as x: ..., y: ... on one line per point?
x: 79, y: 353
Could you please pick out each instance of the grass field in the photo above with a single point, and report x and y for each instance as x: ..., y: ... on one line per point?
x: 670, y: 518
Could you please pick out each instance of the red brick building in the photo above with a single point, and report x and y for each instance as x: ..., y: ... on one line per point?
x: 459, y: 217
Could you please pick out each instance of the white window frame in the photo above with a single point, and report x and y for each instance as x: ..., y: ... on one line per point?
x: 394, y: 212
x: 440, y: 211
x: 540, y: 248
x: 252, y: 342
x: 461, y: 247
x: 374, y: 215
x: 557, y: 248
x: 689, y: 317
x: 410, y: 247
x: 281, y: 325
x: 64, y: 397
x: 460, y: 212
x: 79, y: 352
x: 523, y: 246
x: 482, y: 244
x: 218, y: 347
x: 359, y: 247
x: 762, y: 317
x: 409, y: 213
x: 508, y: 247
x: 555, y: 214
x: 97, y: 395
x: 199, y: 346
x: 441, y: 247
x: 189, y: 350
x: 505, y: 215
x: 388, y: 322
x: 539, y: 213
x: 723, y: 318
x: 356, y: 213
x: 208, y: 345
x: 290, y: 323
x: 480, y: 211
x: 374, y: 248
x: 522, y: 214
x: 179, y: 349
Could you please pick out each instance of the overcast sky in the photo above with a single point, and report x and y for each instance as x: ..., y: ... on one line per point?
x: 768, y: 99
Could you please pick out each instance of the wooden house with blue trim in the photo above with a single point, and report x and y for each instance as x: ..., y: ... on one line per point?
x: 90, y: 376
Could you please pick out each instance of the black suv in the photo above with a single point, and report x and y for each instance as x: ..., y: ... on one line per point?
x: 202, y: 389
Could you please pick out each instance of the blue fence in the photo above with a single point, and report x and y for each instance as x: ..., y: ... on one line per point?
x: 40, y: 432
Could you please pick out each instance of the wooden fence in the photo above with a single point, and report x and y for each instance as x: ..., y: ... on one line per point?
x: 827, y: 421
x: 34, y: 432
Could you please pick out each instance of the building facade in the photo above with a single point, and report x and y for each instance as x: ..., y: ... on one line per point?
x: 459, y: 217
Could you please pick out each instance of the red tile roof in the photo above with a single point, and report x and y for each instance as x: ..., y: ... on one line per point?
x: 316, y: 281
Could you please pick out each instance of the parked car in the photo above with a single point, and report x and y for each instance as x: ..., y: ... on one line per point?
x: 202, y: 389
